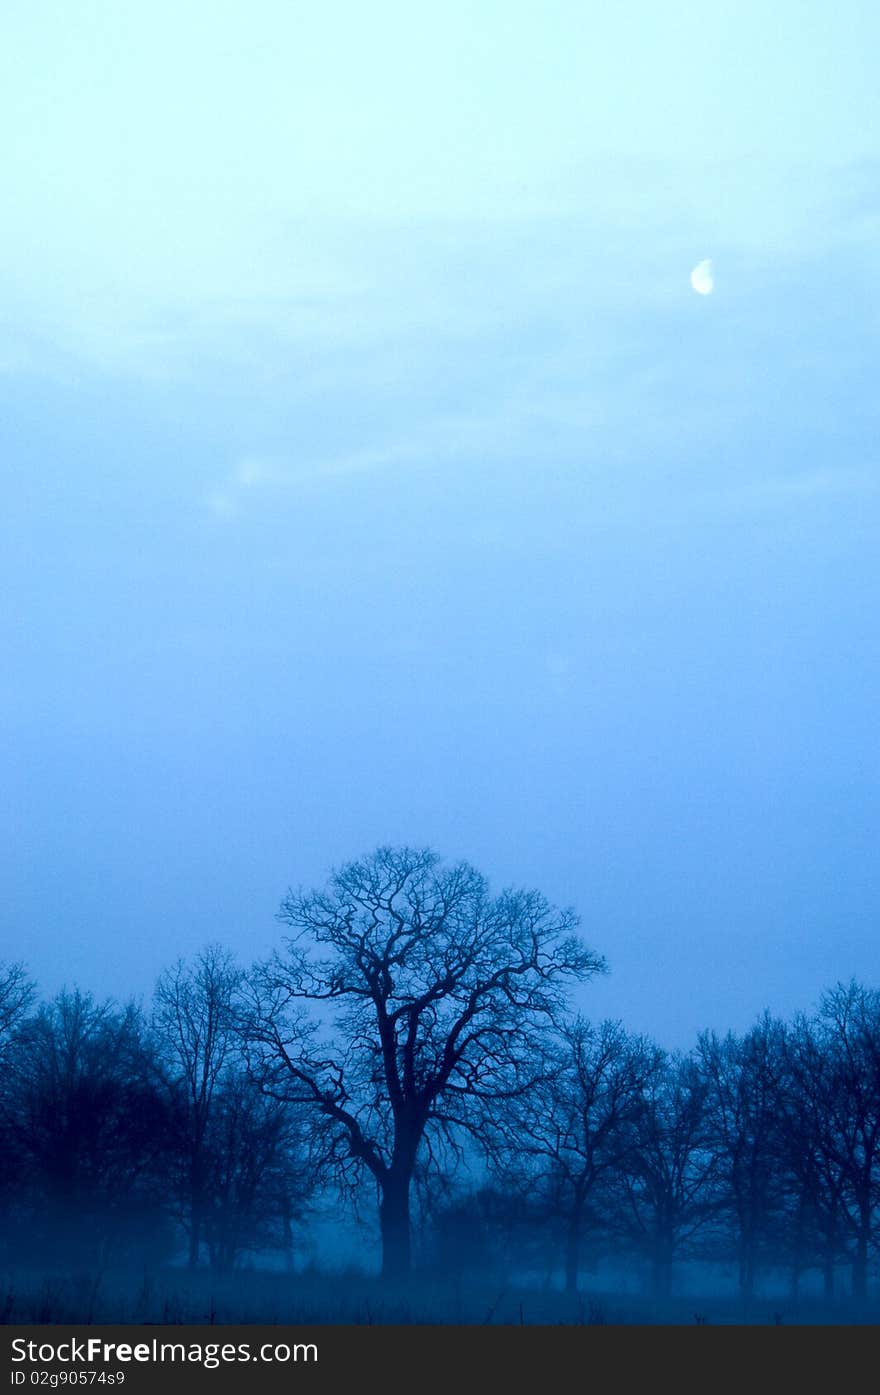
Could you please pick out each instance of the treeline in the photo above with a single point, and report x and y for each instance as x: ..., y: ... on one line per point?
x: 412, y: 1044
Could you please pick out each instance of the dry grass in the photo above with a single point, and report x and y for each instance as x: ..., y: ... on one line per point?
x: 175, y: 1297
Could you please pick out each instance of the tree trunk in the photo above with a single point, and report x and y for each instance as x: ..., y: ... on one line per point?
x: 394, y: 1224
x: 747, y: 1273
x: 797, y: 1256
x: 195, y: 1210
x: 662, y: 1268
x: 860, y: 1267
x: 289, y: 1255
x: 194, y: 1235
x: 573, y: 1249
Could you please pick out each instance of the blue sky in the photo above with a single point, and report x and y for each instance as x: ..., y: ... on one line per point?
x: 371, y: 472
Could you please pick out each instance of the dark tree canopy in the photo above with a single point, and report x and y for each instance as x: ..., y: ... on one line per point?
x: 88, y: 1124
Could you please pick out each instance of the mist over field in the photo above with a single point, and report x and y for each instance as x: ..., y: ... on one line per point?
x: 397, y: 1117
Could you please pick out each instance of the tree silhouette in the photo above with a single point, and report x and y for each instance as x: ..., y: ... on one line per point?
x: 810, y: 1154
x: 848, y: 1028
x: 195, y: 1025
x: 90, y: 1125
x: 16, y: 995
x: 563, y: 1142
x: 257, y: 1172
x: 667, y: 1191
x: 405, y: 1006
x: 744, y: 1078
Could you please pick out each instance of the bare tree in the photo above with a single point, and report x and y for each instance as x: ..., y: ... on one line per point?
x: 259, y: 1172
x: 561, y: 1143
x: 90, y: 1124
x: 194, y: 1018
x: 811, y: 1154
x: 404, y: 1007
x: 668, y: 1189
x: 744, y: 1079
x: 16, y: 996
x: 849, y: 1030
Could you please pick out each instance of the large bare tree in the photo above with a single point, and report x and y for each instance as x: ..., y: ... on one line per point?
x: 406, y: 1003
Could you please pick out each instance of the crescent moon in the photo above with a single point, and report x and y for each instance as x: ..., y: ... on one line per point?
x: 702, y: 279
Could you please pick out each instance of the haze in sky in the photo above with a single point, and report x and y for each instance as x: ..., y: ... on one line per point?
x: 371, y: 472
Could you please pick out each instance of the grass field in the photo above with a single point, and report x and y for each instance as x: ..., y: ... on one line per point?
x: 174, y: 1297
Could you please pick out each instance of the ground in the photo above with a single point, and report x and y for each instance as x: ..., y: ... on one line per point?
x: 172, y: 1296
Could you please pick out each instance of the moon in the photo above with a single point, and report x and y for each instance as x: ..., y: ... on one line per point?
x: 702, y: 279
